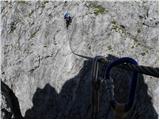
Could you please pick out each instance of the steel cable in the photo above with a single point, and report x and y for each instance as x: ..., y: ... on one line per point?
x: 141, y: 69
x: 138, y: 68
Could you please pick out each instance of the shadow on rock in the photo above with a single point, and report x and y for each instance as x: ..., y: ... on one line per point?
x: 44, y: 103
x: 9, y: 103
x: 74, y: 100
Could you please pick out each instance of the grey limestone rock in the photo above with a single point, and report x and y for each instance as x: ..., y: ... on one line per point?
x: 50, y: 81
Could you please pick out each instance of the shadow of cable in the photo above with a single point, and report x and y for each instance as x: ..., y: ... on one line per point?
x: 74, y: 100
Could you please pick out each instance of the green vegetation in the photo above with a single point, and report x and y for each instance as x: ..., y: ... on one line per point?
x: 46, y: 2
x: 109, y: 48
x: 137, y: 44
x: 33, y: 34
x: 31, y: 13
x: 118, y: 28
x: 43, y: 4
x: 22, y: 1
x: 114, y: 22
x: 98, y: 9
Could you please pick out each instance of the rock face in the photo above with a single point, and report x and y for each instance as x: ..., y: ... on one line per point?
x: 50, y: 81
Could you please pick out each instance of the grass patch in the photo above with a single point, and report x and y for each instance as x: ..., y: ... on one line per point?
x: 98, y: 9
x: 22, y: 1
x: 109, y: 48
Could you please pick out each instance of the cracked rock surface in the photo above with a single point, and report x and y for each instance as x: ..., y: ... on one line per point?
x: 49, y: 80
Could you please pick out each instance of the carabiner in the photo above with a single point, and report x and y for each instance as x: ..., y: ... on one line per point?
x: 125, y: 107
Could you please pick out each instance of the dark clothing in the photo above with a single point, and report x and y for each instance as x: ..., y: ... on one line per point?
x: 68, y: 19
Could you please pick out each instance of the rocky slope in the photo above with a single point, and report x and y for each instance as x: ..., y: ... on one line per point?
x: 48, y: 80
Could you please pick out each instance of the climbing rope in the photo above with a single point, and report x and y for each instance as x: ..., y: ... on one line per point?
x: 82, y: 56
x: 69, y: 39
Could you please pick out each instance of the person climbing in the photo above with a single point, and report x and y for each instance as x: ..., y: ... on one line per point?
x: 68, y: 19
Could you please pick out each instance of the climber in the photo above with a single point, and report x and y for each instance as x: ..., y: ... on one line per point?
x: 68, y: 19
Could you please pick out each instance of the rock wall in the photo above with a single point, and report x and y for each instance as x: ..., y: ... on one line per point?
x: 48, y: 79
